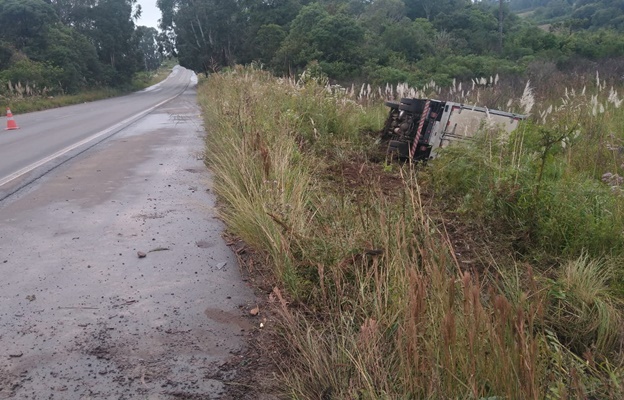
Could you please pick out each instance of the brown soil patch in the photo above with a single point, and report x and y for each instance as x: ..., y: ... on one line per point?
x: 252, y: 374
x: 361, y: 175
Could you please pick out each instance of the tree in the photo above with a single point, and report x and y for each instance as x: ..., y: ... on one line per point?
x: 267, y: 42
x: 75, y: 55
x: 37, y: 48
x: 148, y: 47
x: 24, y: 21
x: 430, y: 9
x: 383, y: 13
x: 109, y: 25
x: 317, y: 35
x: 476, y: 26
x: 265, y: 24
x: 112, y: 33
x: 207, y: 33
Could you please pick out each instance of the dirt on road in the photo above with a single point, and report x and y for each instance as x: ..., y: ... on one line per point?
x: 116, y: 280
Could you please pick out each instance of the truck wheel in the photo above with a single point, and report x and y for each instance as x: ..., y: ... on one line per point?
x: 392, y: 104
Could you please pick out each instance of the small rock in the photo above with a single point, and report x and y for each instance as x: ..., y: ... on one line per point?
x: 254, y: 311
x: 141, y: 254
x: 221, y: 265
x: 31, y: 297
x: 16, y: 355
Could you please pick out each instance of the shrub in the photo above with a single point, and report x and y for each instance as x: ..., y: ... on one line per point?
x: 34, y: 75
x: 530, y: 188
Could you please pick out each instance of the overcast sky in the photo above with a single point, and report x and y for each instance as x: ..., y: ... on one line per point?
x: 150, y: 14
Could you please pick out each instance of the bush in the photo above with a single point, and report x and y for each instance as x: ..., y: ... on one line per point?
x: 528, y: 190
x: 33, y: 77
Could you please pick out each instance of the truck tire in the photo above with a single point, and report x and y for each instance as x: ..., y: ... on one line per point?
x: 415, y: 106
x: 392, y: 104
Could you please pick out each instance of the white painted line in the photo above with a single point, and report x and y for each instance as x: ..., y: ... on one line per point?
x: 113, y: 129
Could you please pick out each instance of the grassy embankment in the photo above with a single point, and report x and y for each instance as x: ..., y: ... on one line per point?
x: 375, y: 301
x: 20, y: 98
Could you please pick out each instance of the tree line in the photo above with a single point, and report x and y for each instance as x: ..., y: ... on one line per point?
x: 379, y: 41
x: 64, y: 46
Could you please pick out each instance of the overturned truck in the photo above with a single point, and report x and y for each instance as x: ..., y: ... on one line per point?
x: 417, y: 128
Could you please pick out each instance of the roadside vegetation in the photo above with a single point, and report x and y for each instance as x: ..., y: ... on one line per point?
x: 495, y: 271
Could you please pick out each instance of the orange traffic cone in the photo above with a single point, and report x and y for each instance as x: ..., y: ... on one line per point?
x: 11, y: 124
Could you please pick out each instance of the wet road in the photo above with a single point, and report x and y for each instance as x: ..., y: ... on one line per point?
x: 81, y: 315
x: 59, y: 133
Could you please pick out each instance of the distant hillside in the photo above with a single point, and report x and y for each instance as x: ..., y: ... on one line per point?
x: 575, y: 15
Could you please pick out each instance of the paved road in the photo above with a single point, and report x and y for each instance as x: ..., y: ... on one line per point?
x: 57, y: 133
x: 81, y: 315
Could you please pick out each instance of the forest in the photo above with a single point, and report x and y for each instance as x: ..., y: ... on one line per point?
x: 391, y: 41
x: 50, y: 47
x: 66, y: 46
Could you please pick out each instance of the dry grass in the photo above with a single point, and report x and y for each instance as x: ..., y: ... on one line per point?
x: 583, y: 310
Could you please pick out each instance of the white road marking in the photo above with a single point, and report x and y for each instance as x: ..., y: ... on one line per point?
x: 113, y: 129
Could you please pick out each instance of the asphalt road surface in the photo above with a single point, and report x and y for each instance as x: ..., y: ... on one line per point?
x: 55, y: 135
x: 82, y: 316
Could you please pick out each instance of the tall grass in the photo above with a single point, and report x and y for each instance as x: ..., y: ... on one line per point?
x: 582, y: 310
x: 373, y: 301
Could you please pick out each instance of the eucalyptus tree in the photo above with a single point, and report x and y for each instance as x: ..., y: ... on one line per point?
x: 148, y: 46
x: 24, y: 22
x: 208, y: 33
x: 390, y: 31
x: 109, y: 26
x: 75, y: 55
x: 266, y: 24
x: 37, y: 49
x: 430, y: 9
x: 112, y: 32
